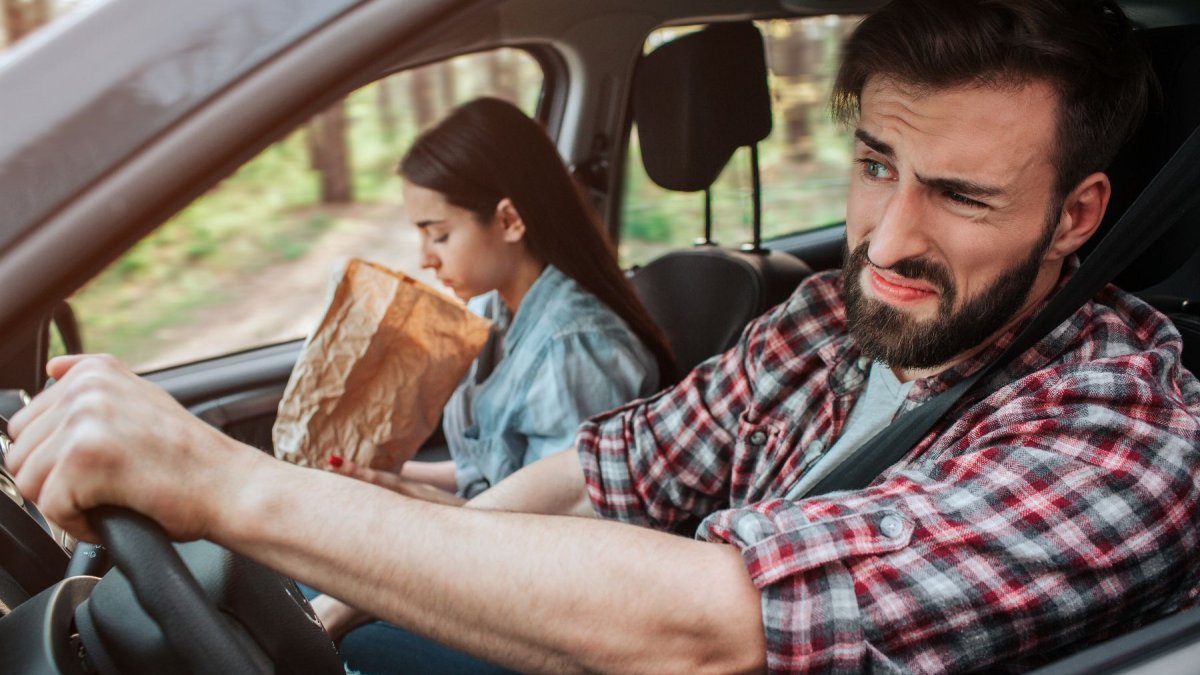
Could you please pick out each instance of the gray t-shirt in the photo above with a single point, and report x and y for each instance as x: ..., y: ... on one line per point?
x: 873, y: 411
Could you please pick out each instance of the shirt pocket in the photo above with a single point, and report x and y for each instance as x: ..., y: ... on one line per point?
x: 764, y: 457
x: 759, y: 433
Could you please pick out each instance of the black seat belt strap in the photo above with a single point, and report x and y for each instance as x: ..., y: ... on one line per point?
x: 1174, y: 190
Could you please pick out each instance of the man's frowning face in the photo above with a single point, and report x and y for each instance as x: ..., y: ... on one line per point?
x: 950, y: 216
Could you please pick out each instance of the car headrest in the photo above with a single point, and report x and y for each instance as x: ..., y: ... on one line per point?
x: 703, y: 297
x: 699, y: 98
x: 1175, y: 55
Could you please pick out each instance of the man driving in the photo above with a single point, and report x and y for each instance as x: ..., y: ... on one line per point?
x: 1055, y: 507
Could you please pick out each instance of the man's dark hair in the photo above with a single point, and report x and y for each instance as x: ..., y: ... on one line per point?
x: 1084, y: 48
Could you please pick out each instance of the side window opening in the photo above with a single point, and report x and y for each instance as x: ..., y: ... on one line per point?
x: 804, y: 163
x: 248, y: 263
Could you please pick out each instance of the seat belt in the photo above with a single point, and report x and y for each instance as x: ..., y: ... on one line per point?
x: 1174, y: 190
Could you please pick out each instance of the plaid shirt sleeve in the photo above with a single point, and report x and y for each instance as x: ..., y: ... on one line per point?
x: 1051, y: 524
x: 678, y: 444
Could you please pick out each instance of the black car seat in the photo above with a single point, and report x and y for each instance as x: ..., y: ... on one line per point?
x: 696, y: 101
x: 1168, y: 274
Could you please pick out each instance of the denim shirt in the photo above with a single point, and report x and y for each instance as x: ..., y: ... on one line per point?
x: 564, y: 357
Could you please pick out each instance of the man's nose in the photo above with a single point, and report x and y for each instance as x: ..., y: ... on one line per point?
x: 901, y: 232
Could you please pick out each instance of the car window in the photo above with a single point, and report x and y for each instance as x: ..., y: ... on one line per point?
x: 804, y: 163
x: 249, y: 263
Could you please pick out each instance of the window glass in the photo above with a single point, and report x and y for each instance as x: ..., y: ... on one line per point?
x: 249, y: 263
x: 804, y: 163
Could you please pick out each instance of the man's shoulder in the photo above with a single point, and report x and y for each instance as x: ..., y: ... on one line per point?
x: 1117, y: 346
x: 1117, y: 323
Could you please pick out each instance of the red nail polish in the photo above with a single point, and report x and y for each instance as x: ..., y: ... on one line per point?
x: 335, y: 461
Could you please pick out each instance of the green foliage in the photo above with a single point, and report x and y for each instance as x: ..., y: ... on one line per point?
x: 648, y: 226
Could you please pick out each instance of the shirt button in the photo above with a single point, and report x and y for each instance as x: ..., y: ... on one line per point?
x: 891, y: 526
x: 758, y: 437
x: 752, y: 528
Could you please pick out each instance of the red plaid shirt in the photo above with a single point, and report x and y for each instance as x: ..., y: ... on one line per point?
x: 1060, y: 510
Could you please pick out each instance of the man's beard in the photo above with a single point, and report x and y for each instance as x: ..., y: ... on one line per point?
x: 888, y: 334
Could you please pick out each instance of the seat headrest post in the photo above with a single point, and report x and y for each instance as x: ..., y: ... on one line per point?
x: 756, y: 196
x: 708, y: 219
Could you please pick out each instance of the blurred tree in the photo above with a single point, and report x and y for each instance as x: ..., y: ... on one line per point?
x: 794, y: 54
x: 449, y: 86
x: 420, y: 90
x: 503, y: 76
x: 387, y: 111
x: 22, y: 17
x: 329, y: 154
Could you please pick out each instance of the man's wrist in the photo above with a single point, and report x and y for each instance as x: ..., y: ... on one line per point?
x: 243, y: 488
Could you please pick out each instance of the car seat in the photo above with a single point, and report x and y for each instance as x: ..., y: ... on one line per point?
x: 1167, y: 275
x: 696, y: 101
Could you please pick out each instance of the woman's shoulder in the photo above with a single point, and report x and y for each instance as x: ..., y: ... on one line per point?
x: 572, y: 310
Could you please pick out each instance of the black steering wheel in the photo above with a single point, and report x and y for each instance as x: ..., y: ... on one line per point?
x: 231, y: 615
x: 166, y: 589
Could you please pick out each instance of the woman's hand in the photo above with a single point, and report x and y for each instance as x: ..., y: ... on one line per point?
x: 394, y: 482
x: 338, y: 617
x: 384, y: 479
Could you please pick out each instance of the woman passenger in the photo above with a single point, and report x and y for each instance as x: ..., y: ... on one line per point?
x: 503, y: 224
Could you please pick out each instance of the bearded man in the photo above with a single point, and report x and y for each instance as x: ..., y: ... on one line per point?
x: 1054, y: 508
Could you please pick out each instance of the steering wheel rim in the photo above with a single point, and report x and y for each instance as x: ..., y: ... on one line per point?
x: 169, y: 593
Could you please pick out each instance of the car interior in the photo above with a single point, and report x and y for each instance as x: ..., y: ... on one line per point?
x: 218, y: 82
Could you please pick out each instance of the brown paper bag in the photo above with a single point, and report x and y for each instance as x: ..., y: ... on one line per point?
x: 375, y: 374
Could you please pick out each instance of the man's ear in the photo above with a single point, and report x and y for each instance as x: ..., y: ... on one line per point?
x: 509, y: 219
x: 1081, y: 214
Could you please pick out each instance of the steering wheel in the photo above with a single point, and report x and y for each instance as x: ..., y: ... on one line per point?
x: 275, y: 630
x: 169, y: 593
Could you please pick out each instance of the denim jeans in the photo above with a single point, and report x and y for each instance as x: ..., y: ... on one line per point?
x: 379, y: 648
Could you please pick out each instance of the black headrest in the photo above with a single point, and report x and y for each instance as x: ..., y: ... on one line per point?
x: 699, y: 98
x: 703, y: 297
x: 1175, y: 54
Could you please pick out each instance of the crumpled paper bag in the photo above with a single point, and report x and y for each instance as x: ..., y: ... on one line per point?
x: 376, y: 372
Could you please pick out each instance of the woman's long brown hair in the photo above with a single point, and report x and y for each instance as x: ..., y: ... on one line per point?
x: 487, y: 150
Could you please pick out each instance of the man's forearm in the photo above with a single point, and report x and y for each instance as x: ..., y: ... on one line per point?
x: 581, y: 590
x: 551, y: 486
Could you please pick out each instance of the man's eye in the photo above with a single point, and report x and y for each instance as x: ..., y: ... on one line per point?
x: 965, y: 201
x: 874, y: 169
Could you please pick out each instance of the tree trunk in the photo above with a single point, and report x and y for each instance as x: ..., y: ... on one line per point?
x: 387, y: 112
x: 421, y: 93
x: 22, y: 17
x: 329, y: 154
x: 449, y: 87
x: 501, y: 73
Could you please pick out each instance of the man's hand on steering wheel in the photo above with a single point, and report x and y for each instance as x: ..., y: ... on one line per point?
x: 82, y: 443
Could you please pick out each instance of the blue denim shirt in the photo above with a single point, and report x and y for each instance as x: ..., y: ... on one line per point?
x: 565, y: 357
